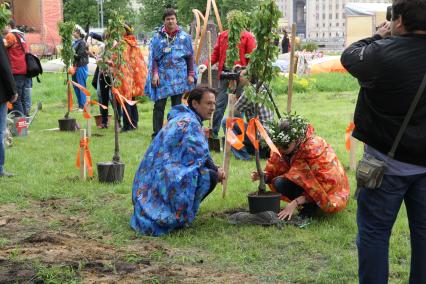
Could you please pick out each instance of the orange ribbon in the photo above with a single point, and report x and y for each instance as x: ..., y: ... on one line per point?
x: 70, y: 94
x: 251, y: 134
x: 84, y: 143
x: 348, y: 134
x: 86, y: 114
x: 121, y: 99
x: 9, y: 106
x: 234, y: 140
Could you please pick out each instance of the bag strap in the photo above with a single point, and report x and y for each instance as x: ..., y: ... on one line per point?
x: 20, y: 42
x: 407, y: 118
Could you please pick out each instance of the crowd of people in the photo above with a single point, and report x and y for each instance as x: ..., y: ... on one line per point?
x: 177, y: 172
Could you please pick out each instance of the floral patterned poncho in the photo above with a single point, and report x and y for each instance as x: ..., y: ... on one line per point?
x: 134, y: 70
x: 172, y: 65
x: 172, y: 178
x: 316, y: 169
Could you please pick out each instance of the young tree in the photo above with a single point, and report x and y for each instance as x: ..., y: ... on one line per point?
x: 112, y: 59
x: 67, y: 54
x: 265, y: 21
x: 85, y: 12
x: 4, y: 15
x: 152, y: 12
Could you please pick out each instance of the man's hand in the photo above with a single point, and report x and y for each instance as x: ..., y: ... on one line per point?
x: 384, y: 29
x: 13, y: 98
x: 202, y: 68
x: 287, y: 212
x: 155, y: 80
x: 191, y: 80
x: 243, y: 81
x: 221, y: 174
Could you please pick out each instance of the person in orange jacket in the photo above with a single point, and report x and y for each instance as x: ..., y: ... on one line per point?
x: 308, y: 174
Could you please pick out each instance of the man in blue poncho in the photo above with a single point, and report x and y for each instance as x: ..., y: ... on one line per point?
x: 171, y: 67
x: 177, y: 172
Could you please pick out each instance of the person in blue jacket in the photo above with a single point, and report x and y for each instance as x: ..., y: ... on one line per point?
x: 177, y: 171
x: 171, y: 67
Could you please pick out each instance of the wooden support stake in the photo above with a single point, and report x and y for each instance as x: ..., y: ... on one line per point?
x: 89, y: 121
x: 227, y: 146
x: 83, y: 165
x: 291, y: 71
x: 209, y: 47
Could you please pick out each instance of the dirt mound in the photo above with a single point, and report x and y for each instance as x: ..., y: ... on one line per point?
x: 32, y: 250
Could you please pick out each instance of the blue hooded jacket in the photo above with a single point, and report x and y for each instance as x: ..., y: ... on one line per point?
x: 172, y: 178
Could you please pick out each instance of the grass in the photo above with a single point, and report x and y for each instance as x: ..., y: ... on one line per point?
x: 323, y: 252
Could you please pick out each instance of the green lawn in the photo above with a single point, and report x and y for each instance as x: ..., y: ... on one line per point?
x: 323, y: 252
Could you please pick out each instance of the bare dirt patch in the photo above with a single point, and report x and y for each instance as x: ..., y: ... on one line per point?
x: 30, y: 243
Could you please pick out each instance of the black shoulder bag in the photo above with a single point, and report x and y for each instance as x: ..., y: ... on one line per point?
x: 370, y: 171
x: 33, y: 63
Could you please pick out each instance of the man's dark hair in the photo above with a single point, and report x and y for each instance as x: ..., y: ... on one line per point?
x: 197, y: 94
x: 413, y: 14
x: 12, y: 24
x: 169, y: 12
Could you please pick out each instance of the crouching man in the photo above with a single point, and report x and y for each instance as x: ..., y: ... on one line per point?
x: 177, y: 172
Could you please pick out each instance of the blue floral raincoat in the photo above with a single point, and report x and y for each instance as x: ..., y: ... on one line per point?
x: 172, y: 67
x: 172, y: 178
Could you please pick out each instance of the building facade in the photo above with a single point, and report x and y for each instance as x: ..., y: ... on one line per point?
x: 322, y: 21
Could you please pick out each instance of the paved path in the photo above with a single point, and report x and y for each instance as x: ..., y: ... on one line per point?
x: 57, y: 65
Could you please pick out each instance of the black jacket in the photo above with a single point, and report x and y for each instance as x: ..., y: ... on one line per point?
x: 7, y: 83
x: 390, y: 72
x: 81, y: 58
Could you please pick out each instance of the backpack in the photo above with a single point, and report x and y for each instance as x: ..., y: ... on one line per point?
x: 33, y: 62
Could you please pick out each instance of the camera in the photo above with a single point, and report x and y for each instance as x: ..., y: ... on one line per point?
x: 233, y: 75
x: 389, y: 13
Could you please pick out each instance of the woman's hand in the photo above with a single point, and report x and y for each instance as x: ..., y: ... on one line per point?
x: 254, y: 176
x: 288, y: 211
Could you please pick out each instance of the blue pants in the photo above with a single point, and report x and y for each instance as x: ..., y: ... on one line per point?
x: 80, y: 77
x: 27, y: 95
x: 3, y: 124
x: 19, y: 105
x: 376, y: 214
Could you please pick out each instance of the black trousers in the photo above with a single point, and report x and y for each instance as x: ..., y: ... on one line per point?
x: 134, y: 116
x: 214, y: 179
x: 292, y: 191
x: 158, y: 113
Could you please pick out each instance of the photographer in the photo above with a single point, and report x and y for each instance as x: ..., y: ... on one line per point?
x: 246, y: 46
x: 390, y: 67
x: 245, y: 107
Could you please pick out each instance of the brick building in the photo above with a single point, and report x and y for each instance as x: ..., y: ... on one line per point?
x: 39, y: 19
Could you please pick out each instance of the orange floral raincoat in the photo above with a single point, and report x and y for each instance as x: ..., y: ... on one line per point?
x: 134, y: 70
x: 316, y: 169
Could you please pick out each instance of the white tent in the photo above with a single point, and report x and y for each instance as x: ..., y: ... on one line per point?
x: 360, y: 9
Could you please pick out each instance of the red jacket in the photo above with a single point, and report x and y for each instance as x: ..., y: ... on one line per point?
x: 246, y: 46
x: 16, y: 53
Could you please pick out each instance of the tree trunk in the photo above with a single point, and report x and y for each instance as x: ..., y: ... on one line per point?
x: 116, y: 157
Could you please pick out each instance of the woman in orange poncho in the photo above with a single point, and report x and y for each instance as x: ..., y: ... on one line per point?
x: 308, y: 174
x: 134, y: 73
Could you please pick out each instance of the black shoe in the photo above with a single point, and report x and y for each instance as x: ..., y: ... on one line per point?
x: 6, y: 174
x: 308, y: 210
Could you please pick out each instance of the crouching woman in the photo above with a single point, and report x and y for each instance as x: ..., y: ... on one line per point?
x: 308, y: 174
x: 177, y: 172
